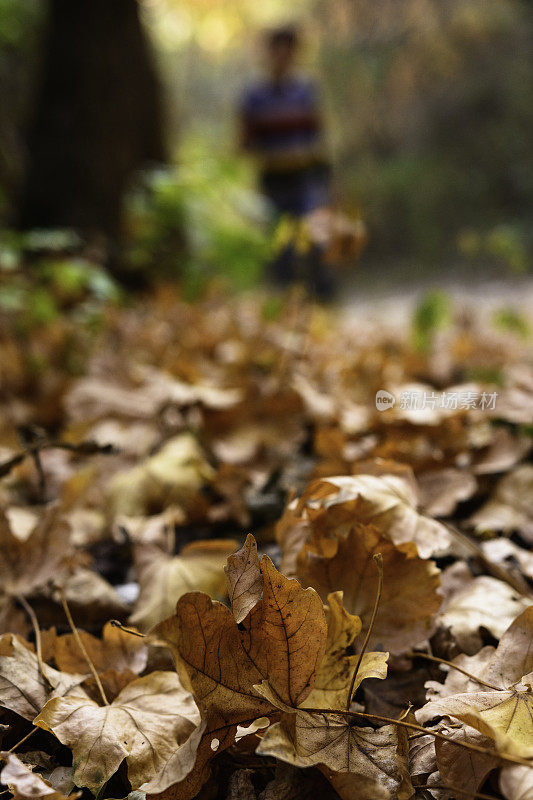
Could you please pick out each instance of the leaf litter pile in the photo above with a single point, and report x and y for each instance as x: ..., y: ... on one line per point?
x: 224, y: 573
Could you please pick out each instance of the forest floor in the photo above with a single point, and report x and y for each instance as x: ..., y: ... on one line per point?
x: 139, y: 447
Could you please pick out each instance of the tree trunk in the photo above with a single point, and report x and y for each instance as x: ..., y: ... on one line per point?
x: 97, y: 117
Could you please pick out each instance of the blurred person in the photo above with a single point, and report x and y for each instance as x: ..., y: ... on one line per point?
x: 281, y: 127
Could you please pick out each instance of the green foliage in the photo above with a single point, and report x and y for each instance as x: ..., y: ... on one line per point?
x: 507, y: 244
x: 509, y: 319
x: 433, y: 313
x: 198, y: 220
x: 41, y: 279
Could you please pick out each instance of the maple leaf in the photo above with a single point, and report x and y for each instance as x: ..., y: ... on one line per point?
x: 409, y: 599
x: 388, y: 502
x: 221, y: 662
x: 164, y: 578
x: 500, y: 704
x: 25, y: 784
x: 24, y: 687
x: 306, y: 739
x: 334, y: 675
x: 116, y: 650
x: 153, y: 723
x: 244, y: 579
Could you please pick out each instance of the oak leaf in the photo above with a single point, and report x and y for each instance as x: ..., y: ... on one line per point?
x: 153, y: 723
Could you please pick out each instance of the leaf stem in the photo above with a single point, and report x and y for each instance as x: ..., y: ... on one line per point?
x: 378, y: 559
x: 81, y: 645
x: 37, y: 631
x: 437, y: 660
x: 21, y: 741
x: 116, y: 624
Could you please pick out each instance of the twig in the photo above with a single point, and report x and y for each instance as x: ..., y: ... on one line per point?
x: 37, y: 631
x: 87, y: 448
x: 378, y: 559
x: 437, y: 660
x: 81, y: 645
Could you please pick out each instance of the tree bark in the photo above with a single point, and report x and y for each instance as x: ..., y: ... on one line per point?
x: 98, y: 117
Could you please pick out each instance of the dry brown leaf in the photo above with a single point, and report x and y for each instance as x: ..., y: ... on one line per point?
x: 23, y: 688
x: 334, y: 675
x: 164, y: 578
x: 284, y: 637
x: 25, y: 784
x: 510, y: 507
x: 387, y: 502
x: 215, y: 664
x: 306, y: 739
x: 244, y: 578
x: 174, y: 475
x: 503, y: 713
x: 442, y: 489
x: 465, y: 610
x: 516, y: 782
x: 409, y: 600
x: 28, y: 564
x: 116, y: 650
x: 153, y: 723
x: 292, y: 634
x: 460, y: 767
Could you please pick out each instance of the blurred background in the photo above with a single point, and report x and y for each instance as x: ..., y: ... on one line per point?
x: 119, y: 145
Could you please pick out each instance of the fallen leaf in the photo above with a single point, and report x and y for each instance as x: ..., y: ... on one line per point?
x: 510, y: 507
x: 465, y: 610
x: 174, y: 475
x: 516, y: 782
x: 25, y: 784
x: 116, y: 650
x: 409, y: 599
x: 28, y: 564
x: 164, y: 578
x: 387, y: 502
x: 245, y: 582
x: 503, y: 709
x: 23, y: 688
x: 334, y: 676
x: 306, y: 739
x: 292, y: 634
x: 150, y: 724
